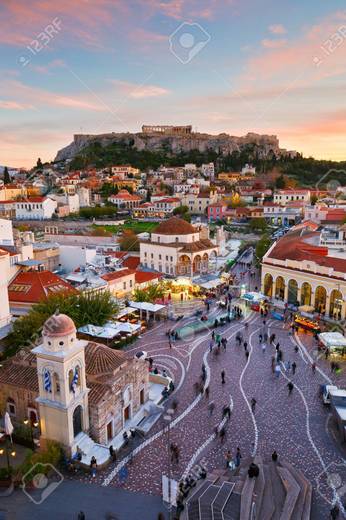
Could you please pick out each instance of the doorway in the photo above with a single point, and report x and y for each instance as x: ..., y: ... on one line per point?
x: 77, y: 421
x: 109, y: 431
x: 141, y: 396
x: 127, y: 413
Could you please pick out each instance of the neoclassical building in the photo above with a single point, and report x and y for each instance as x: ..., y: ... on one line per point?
x: 79, y: 392
x: 297, y: 270
x: 178, y: 248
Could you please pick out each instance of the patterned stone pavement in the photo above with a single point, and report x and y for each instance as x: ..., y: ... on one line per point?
x: 297, y: 426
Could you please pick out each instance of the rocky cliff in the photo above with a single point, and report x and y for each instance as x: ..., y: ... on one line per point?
x: 222, y: 144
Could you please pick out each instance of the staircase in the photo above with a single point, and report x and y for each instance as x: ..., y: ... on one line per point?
x: 280, y: 492
x: 91, y: 449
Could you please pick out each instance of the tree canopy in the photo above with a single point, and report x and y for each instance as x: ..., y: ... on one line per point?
x: 96, y: 308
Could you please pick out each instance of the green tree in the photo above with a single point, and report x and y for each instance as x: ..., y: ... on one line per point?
x: 7, y: 178
x: 39, y: 165
x: 95, y: 308
x: 313, y: 199
x: 150, y: 294
x: 262, y: 247
x: 183, y: 212
x: 129, y: 241
x: 280, y: 182
x: 258, y: 224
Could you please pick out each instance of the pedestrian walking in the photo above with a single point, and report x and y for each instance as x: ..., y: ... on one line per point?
x: 228, y: 458
x: 260, y: 338
x: 237, y: 457
x: 335, y: 512
x: 112, y: 453
x: 247, y: 354
x: 223, y: 375
x: 211, y: 344
x: 313, y: 367
x: 294, y: 367
x: 290, y: 387
x: 93, y: 467
x: 253, y: 405
x: 274, y: 456
x: 206, y: 391
x: 226, y: 412
x: 245, y: 345
x: 264, y: 346
x: 288, y: 366
x: 296, y: 349
x: 222, y: 435
x: 211, y: 408
x: 277, y: 370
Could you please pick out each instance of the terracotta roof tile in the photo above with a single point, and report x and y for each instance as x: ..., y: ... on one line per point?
x: 101, y: 360
x: 294, y: 246
x: 174, y: 226
x: 35, y: 286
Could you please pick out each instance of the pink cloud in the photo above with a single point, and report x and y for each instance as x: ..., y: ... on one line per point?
x: 14, y: 105
x: 37, y: 97
x: 273, y: 44
x: 134, y: 91
x: 277, y: 29
x: 304, y: 57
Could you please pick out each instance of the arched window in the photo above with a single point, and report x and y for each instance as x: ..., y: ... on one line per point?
x: 47, y: 380
x: 56, y: 383
x: 74, y: 379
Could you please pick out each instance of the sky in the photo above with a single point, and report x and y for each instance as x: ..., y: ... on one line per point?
x: 233, y: 66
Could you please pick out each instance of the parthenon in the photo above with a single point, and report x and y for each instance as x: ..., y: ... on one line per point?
x: 167, y: 130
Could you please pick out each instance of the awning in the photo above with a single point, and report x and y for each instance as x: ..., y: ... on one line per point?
x: 212, y: 284
x: 332, y: 339
x: 147, y: 306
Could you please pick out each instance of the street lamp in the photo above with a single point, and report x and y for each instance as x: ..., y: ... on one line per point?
x: 13, y: 454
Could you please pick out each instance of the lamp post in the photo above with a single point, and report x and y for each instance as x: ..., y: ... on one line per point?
x: 6, y: 450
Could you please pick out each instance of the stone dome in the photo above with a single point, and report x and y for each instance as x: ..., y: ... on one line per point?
x: 175, y: 226
x: 59, y: 325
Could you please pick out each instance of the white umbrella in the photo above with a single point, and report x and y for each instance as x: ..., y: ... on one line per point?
x: 8, y: 425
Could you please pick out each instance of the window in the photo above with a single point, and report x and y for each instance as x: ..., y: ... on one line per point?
x: 145, y: 254
x: 11, y: 407
x: 177, y: 239
x: 159, y: 257
x: 152, y: 255
x: 124, y: 286
x: 131, y: 283
x: 56, y: 383
x: 166, y: 257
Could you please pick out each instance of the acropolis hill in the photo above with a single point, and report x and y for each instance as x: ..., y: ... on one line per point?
x: 175, y: 139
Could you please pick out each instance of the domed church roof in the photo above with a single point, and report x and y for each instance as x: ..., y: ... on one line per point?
x: 174, y: 226
x: 59, y: 325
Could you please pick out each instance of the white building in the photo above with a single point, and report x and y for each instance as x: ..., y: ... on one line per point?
x: 298, y: 270
x: 5, y: 315
x: 290, y: 195
x: 35, y: 208
x: 6, y: 232
x: 177, y: 248
x: 208, y: 170
x: 74, y: 256
x: 84, y: 196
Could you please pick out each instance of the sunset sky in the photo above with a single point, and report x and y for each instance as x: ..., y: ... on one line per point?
x: 274, y: 67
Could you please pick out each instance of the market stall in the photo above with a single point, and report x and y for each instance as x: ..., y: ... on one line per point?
x: 335, y: 342
x: 255, y: 300
x: 306, y: 323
